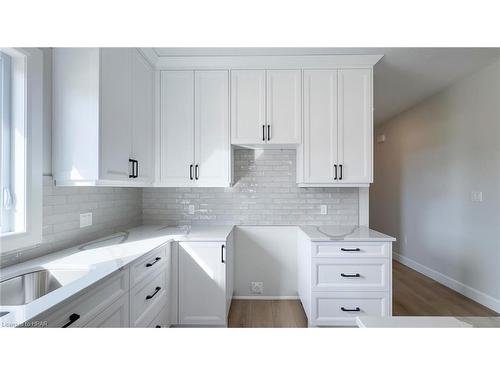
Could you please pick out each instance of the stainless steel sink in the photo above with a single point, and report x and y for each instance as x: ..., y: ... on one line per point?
x: 24, y: 288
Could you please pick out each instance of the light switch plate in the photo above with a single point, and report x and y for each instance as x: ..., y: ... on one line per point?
x: 191, y: 209
x: 476, y: 196
x: 85, y: 219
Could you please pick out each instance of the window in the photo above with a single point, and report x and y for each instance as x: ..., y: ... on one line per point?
x: 21, y: 148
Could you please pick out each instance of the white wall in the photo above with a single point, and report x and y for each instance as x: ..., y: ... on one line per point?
x: 435, y: 155
x: 267, y: 254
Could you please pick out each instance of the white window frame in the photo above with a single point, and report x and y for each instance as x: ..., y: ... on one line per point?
x: 27, y: 117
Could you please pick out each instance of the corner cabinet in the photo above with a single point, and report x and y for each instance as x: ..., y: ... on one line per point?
x: 102, y: 117
x: 266, y: 107
x: 194, y: 129
x: 338, y: 129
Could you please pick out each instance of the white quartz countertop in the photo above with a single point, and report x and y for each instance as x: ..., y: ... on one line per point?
x: 99, y: 258
x: 428, y: 322
x: 344, y: 233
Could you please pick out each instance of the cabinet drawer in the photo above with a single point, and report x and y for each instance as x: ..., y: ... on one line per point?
x: 335, y: 274
x: 350, y: 249
x: 147, y: 299
x: 161, y: 320
x: 115, y: 316
x: 342, y: 308
x: 89, y: 305
x: 148, y: 264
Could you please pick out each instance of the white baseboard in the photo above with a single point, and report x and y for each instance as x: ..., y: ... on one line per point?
x: 266, y: 297
x: 466, y: 290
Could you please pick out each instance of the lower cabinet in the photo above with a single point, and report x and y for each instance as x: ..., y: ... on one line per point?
x: 340, y: 281
x: 205, y: 282
x: 115, y: 316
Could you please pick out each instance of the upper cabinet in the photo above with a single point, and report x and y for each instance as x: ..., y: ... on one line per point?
x: 338, y: 129
x: 102, y: 117
x: 194, y: 128
x: 266, y: 107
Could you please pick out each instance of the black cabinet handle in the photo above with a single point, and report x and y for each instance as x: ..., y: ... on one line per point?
x: 197, y: 172
x: 340, y: 166
x: 335, y: 167
x: 153, y: 262
x: 344, y: 249
x: 263, y: 132
x: 72, y: 318
x: 158, y: 327
x: 344, y: 309
x: 157, y: 289
x: 350, y: 275
x: 191, y: 172
x: 135, y: 168
x: 268, y: 132
x: 222, y: 258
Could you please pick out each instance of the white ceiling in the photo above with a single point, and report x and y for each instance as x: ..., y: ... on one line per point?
x: 404, y: 76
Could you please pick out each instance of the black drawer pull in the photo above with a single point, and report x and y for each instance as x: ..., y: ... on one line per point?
x: 157, y: 289
x: 344, y: 309
x: 158, y: 327
x: 350, y: 275
x: 263, y: 132
x: 72, y: 318
x: 344, y: 249
x: 157, y: 259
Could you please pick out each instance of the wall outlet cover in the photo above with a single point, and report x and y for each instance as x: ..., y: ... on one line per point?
x: 191, y: 209
x: 476, y: 196
x: 324, y: 209
x: 257, y: 287
x: 85, y: 219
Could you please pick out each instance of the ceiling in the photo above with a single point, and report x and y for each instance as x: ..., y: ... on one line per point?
x: 404, y: 76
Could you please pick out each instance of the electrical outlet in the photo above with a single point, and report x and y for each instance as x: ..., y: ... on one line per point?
x: 476, y: 196
x: 86, y: 219
x: 257, y: 287
x: 191, y: 209
x: 324, y: 209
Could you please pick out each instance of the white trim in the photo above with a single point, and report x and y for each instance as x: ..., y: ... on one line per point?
x: 265, y: 297
x: 364, y: 206
x: 33, y: 86
x: 264, y: 62
x: 150, y: 55
x: 466, y: 290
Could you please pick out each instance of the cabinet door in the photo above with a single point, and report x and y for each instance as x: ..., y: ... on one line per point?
x: 248, y: 106
x: 142, y: 116
x: 177, y: 127
x: 284, y: 106
x: 202, y: 299
x: 116, y: 112
x: 355, y: 125
x: 320, y: 125
x: 212, y: 151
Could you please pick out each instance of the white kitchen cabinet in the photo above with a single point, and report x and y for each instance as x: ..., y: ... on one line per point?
x: 115, y: 316
x: 99, y: 121
x: 266, y: 107
x: 338, y: 281
x: 205, y: 283
x: 338, y: 129
x: 195, y: 148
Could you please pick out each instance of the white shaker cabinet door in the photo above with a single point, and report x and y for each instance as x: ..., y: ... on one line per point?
x: 355, y: 126
x: 177, y: 128
x: 284, y: 107
x: 202, y: 284
x: 115, y: 112
x: 212, y: 147
x: 142, y: 116
x: 248, y: 106
x: 320, y: 126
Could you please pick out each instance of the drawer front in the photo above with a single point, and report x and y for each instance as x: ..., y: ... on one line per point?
x: 351, y: 249
x: 115, y: 316
x: 149, y: 264
x: 342, y: 308
x: 79, y: 312
x: 335, y: 274
x: 161, y: 320
x: 147, y: 299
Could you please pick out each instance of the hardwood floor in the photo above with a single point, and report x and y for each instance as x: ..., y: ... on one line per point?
x: 267, y: 314
x: 413, y: 294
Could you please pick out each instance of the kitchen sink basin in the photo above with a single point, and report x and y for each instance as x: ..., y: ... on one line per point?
x: 24, y: 288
